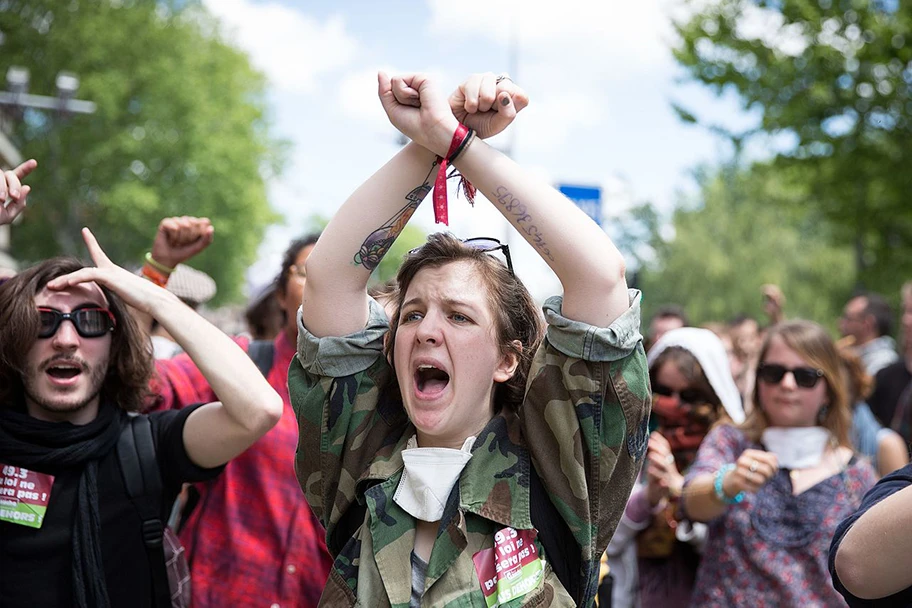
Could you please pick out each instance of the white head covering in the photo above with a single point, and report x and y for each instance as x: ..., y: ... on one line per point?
x: 709, y: 351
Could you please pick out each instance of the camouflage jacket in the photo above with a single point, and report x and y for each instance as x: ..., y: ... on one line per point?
x: 582, y: 427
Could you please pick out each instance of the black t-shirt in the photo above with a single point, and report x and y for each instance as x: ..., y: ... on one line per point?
x: 889, y: 384
x: 36, y: 564
x: 889, y: 485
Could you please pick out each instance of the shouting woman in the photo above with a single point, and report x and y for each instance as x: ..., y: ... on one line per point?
x: 460, y: 454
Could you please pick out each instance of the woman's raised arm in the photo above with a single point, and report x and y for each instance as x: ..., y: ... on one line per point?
x: 585, y: 260
x: 357, y: 238
x: 367, y: 224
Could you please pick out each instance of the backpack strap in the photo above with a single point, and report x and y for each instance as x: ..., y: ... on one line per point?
x: 555, y: 536
x: 262, y: 353
x: 142, y: 480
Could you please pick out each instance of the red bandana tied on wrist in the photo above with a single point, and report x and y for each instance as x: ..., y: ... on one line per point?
x: 461, y: 138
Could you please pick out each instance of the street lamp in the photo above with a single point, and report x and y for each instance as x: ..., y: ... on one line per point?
x: 67, y: 85
x: 17, y: 81
x: 15, y: 99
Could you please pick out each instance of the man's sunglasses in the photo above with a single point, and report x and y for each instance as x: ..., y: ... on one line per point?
x: 487, y: 245
x: 691, y: 396
x: 89, y: 322
x: 805, y: 377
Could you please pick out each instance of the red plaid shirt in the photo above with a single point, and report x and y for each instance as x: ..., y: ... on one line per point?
x: 252, y: 540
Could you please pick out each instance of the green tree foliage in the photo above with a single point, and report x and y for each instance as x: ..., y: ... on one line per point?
x: 836, y: 77
x: 742, y: 230
x: 180, y: 130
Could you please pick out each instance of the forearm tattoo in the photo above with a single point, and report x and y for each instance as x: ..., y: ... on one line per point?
x: 378, y: 243
x: 522, y: 220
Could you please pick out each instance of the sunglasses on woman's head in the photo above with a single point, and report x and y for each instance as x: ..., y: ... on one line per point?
x: 805, y: 377
x: 690, y: 396
x: 89, y: 322
x: 486, y: 245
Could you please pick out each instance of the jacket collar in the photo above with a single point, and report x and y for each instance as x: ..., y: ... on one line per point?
x: 495, y: 482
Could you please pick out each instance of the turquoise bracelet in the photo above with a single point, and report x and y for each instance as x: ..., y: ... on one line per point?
x: 717, y: 485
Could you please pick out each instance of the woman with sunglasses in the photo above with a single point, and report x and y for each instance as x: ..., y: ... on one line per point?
x: 774, y: 489
x: 478, y: 460
x: 655, y: 551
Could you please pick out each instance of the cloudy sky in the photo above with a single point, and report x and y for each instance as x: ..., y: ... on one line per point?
x: 599, y: 74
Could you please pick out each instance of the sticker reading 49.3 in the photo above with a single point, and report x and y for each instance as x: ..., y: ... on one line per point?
x: 511, y: 568
x: 24, y: 495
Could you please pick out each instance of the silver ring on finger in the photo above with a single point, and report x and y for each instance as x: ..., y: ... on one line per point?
x: 669, y: 458
x: 502, y: 77
x: 753, y: 467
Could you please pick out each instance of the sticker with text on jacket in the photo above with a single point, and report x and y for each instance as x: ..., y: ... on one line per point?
x: 509, y: 569
x: 24, y: 495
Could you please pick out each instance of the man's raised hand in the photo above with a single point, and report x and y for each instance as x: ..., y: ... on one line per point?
x: 12, y: 193
x: 180, y: 238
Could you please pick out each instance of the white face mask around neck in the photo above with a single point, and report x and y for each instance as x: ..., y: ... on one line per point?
x: 429, y: 477
x: 797, y: 447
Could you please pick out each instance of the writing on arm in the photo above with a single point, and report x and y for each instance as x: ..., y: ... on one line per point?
x: 523, y: 221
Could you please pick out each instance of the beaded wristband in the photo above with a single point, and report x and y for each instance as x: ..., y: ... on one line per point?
x: 717, y: 486
x: 159, y: 278
x: 156, y: 264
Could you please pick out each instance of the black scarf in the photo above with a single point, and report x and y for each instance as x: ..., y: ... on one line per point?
x: 29, y: 442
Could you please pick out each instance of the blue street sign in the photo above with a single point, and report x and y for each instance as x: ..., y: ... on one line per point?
x: 587, y: 198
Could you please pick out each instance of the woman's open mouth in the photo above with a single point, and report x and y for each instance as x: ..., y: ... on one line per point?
x: 430, y: 381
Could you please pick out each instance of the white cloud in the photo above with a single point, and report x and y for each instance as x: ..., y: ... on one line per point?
x: 753, y: 23
x: 358, y: 94
x: 768, y: 26
x: 293, y: 49
x: 359, y: 101
x: 550, y: 121
x: 633, y: 30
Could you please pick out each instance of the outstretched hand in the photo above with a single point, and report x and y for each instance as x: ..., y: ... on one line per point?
x: 180, y: 238
x: 486, y: 105
x: 12, y: 193
x: 132, y: 289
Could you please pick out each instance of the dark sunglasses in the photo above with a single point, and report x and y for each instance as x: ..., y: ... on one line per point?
x: 690, y: 396
x: 89, y: 322
x: 805, y: 377
x: 485, y: 244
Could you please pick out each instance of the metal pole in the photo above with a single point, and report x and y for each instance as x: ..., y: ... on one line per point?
x: 513, y: 70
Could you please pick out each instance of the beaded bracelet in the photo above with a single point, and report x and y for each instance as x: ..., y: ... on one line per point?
x: 156, y: 264
x: 717, y: 486
x: 159, y: 278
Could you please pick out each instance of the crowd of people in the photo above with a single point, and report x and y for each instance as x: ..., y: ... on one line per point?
x: 438, y: 440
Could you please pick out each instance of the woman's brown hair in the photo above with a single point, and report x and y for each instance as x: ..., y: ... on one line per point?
x: 126, y: 383
x: 812, y: 343
x: 861, y: 383
x: 515, y: 314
